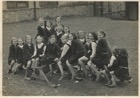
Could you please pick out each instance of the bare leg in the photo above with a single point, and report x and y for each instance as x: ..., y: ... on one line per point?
x: 16, y: 68
x: 11, y: 66
x: 71, y: 69
x: 61, y: 70
x: 27, y: 70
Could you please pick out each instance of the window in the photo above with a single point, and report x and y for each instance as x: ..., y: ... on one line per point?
x: 47, y: 4
x: 17, y: 4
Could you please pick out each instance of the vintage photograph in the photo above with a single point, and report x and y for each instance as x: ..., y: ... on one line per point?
x: 70, y: 48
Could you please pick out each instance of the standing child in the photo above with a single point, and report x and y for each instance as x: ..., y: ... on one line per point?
x: 28, y: 52
x: 41, y: 27
x: 90, y: 51
x: 12, y: 54
x: 66, y: 30
x: 19, y: 55
x: 58, y: 22
x: 77, y: 52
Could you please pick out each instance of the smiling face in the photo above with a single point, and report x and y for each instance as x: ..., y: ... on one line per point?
x: 66, y: 29
x: 100, y: 35
x: 20, y: 41
x: 52, y: 39
x: 58, y: 19
x: 90, y: 36
x: 64, y: 38
x: 70, y: 37
x: 28, y: 39
x: 39, y: 39
x: 48, y: 23
x: 14, y: 41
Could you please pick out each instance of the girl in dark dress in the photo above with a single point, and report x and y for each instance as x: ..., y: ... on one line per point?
x: 118, y: 66
x: 28, y: 52
x: 12, y: 54
x: 59, y: 32
x: 19, y: 55
x: 102, y: 55
x: 77, y: 52
x: 41, y: 27
x: 52, y: 53
x: 90, y: 51
x: 58, y: 23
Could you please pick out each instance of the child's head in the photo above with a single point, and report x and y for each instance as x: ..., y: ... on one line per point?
x: 20, y: 41
x: 81, y: 34
x: 39, y: 39
x: 92, y: 36
x: 88, y: 40
x: 14, y: 40
x: 28, y: 39
x: 116, y: 51
x: 64, y: 38
x: 72, y: 36
x: 58, y: 19
x: 48, y: 23
x: 41, y: 21
x: 101, y: 34
x: 123, y: 52
x: 66, y: 29
x: 59, y: 28
x: 52, y: 39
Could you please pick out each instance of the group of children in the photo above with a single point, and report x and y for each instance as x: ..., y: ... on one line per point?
x: 57, y: 48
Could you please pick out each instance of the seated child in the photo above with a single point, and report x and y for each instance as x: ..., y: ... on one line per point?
x: 19, y: 55
x: 12, y: 54
x: 82, y: 36
x: 28, y: 52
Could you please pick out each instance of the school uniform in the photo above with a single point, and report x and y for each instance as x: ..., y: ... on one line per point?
x: 103, y: 54
x: 28, y: 52
x: 77, y: 51
x: 58, y: 38
x: 12, y: 53
x: 20, y: 52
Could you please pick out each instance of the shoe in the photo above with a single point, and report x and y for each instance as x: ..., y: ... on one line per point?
x: 62, y: 76
x: 109, y: 83
x: 112, y: 85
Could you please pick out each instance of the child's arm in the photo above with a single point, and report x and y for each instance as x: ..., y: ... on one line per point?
x: 65, y: 49
x: 93, y: 45
x: 113, y: 58
x: 35, y: 51
x: 44, y: 50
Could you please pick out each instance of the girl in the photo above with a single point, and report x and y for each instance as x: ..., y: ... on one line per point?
x: 41, y: 27
x: 77, y: 52
x: 19, y: 55
x: 119, y: 66
x: 90, y: 51
x: 39, y: 51
x: 102, y: 55
x: 66, y: 30
x: 52, y: 52
x: 28, y: 52
x: 12, y: 54
x: 59, y: 32
x: 82, y: 37
x: 58, y: 22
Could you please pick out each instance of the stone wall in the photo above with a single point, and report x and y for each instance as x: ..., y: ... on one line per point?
x: 28, y: 14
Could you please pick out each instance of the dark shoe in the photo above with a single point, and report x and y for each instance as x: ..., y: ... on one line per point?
x: 112, y: 85
x: 107, y: 84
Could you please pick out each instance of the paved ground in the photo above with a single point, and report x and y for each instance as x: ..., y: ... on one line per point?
x: 120, y: 33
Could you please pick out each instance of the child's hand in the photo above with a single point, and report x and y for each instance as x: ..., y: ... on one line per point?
x: 56, y: 60
x: 91, y: 57
x: 41, y: 55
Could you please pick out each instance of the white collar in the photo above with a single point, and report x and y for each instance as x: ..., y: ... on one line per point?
x: 58, y: 33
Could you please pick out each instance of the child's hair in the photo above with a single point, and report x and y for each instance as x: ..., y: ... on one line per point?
x: 78, y: 33
x: 123, y: 52
x: 94, y: 35
x: 74, y: 35
x: 116, y: 51
x: 103, y: 33
x: 57, y: 17
x: 27, y: 37
x: 64, y: 36
x: 13, y: 38
x: 68, y: 29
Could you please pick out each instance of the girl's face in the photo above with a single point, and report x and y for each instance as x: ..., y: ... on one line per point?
x: 88, y: 40
x: 100, y: 36
x: 20, y: 41
x: 81, y: 34
x: 90, y: 36
x: 48, y: 23
x: 14, y: 41
x: 39, y: 39
x: 70, y: 37
x: 58, y: 19
x: 52, y: 39
x: 41, y: 23
x: 28, y: 39
x: 66, y: 29
x: 64, y: 40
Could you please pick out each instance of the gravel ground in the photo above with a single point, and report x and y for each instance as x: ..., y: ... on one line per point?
x: 120, y: 33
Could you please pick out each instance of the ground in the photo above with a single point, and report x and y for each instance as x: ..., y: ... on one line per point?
x: 119, y: 33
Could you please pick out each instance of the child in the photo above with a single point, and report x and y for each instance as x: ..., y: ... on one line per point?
x: 28, y: 52
x: 59, y: 32
x: 39, y: 51
x: 119, y: 66
x: 52, y: 52
x: 102, y: 55
x: 90, y: 51
x: 41, y: 27
x: 19, y: 55
x: 77, y: 52
x: 12, y: 54
x: 66, y: 30
x: 82, y: 37
x: 58, y: 23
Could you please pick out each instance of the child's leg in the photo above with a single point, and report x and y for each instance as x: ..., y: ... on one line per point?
x: 107, y: 77
x: 27, y: 69
x: 112, y: 80
x: 11, y: 66
x: 71, y: 69
x: 16, y: 68
x: 94, y: 70
x: 61, y: 70
x: 80, y: 61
